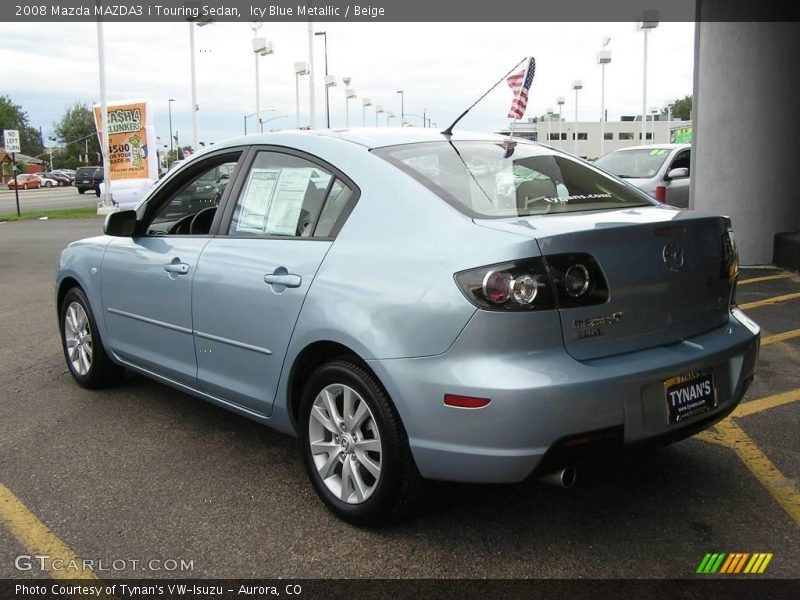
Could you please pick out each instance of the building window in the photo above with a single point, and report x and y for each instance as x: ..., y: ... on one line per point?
x: 553, y: 136
x: 649, y: 135
x: 625, y: 135
x: 563, y: 137
x: 607, y: 135
x: 581, y: 136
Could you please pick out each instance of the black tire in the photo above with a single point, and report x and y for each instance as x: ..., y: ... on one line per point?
x: 48, y: 184
x: 399, y: 487
x: 81, y: 190
x: 102, y: 371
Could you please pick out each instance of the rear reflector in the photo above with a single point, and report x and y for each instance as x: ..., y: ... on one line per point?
x: 465, y: 401
x: 661, y: 193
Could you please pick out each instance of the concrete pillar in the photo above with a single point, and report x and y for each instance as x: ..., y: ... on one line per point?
x: 746, y: 148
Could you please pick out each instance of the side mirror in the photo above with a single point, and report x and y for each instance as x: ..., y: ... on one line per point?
x: 120, y: 224
x: 679, y: 173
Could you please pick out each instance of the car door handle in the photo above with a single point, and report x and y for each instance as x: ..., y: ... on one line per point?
x: 285, y: 279
x: 177, y: 268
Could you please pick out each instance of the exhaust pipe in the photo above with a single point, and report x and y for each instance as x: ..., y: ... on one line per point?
x: 565, y: 478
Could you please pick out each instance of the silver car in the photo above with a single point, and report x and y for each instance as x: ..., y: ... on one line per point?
x: 662, y: 171
x: 416, y: 306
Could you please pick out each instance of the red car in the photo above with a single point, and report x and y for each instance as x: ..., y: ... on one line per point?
x: 26, y: 181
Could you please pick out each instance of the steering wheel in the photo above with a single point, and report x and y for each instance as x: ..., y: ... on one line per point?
x: 181, y: 226
x: 201, y: 223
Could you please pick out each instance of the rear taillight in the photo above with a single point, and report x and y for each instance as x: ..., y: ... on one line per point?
x: 661, y: 193
x: 513, y: 286
x: 560, y: 280
x: 578, y: 279
x: 730, y: 255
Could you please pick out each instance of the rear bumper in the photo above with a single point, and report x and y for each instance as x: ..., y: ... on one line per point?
x: 541, y: 397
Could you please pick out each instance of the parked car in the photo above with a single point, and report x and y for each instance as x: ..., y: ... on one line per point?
x: 61, y: 179
x: 46, y: 181
x: 67, y: 173
x: 88, y: 178
x: 25, y: 181
x: 408, y: 318
x: 661, y: 171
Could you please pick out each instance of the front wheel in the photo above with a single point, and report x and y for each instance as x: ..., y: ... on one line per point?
x: 354, y: 447
x: 81, y: 190
x: 48, y: 184
x: 86, y: 358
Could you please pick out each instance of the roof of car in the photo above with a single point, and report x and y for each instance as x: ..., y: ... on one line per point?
x: 653, y: 147
x: 369, y: 137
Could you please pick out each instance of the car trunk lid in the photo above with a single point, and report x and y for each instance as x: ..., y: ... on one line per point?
x: 663, y: 269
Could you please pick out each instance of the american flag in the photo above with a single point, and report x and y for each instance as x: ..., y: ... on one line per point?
x: 520, y: 83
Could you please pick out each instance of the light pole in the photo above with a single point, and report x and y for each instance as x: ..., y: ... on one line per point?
x: 169, y: 104
x: 549, y: 118
x: 261, y: 47
x: 560, y: 101
x: 259, y: 127
x: 378, y: 110
x: 349, y: 94
x: 300, y: 68
x: 653, y: 112
x: 669, y: 123
x: 645, y: 27
x: 576, y: 85
x: 366, y: 102
x: 603, y: 58
x: 310, y: 72
x: 329, y: 81
x: 389, y: 115
x: 402, y: 109
x: 195, y: 107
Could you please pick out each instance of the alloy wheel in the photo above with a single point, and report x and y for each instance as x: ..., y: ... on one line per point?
x: 345, y: 443
x: 78, y: 338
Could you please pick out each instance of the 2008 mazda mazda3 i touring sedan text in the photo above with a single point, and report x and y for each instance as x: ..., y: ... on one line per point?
x: 415, y: 306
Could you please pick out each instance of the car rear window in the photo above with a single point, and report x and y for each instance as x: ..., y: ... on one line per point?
x: 507, y: 179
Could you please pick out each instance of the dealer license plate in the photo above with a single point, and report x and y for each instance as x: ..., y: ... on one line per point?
x: 689, y: 395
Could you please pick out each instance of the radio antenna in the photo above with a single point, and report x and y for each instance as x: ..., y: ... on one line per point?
x: 449, y: 130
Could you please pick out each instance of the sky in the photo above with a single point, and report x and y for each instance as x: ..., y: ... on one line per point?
x: 442, y: 68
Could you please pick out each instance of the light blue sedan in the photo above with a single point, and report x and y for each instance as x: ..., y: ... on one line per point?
x: 415, y: 306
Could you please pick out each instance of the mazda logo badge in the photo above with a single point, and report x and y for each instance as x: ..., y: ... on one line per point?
x: 673, y: 256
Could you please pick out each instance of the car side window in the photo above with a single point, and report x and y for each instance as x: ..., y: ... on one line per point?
x: 683, y: 160
x: 190, y: 209
x: 285, y: 196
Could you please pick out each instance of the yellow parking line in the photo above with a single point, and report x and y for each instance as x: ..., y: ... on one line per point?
x: 765, y: 278
x: 37, y: 538
x: 755, y: 406
x: 782, y: 489
x: 769, y: 301
x: 780, y: 337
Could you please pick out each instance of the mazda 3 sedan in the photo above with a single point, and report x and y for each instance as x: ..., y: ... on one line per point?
x: 416, y: 306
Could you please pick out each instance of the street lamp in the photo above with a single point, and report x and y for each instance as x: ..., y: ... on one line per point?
x: 389, y: 115
x: 549, y: 118
x: 259, y: 125
x: 311, y: 74
x: 576, y: 85
x: 366, y: 102
x: 300, y: 68
x: 378, y: 110
x: 560, y: 101
x: 645, y: 27
x: 261, y: 47
x: 349, y: 94
x: 195, y: 107
x: 330, y: 81
x: 603, y: 58
x: 402, y: 110
x: 653, y: 112
x: 169, y: 104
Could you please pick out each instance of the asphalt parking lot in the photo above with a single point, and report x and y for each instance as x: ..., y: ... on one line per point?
x: 44, y: 199
x: 144, y: 472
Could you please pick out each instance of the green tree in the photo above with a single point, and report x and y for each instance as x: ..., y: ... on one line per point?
x: 681, y: 108
x: 13, y: 117
x: 78, y: 137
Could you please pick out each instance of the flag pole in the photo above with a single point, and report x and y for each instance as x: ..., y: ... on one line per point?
x: 449, y: 130
x: 511, y: 130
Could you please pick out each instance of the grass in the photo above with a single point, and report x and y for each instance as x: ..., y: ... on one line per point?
x: 64, y: 213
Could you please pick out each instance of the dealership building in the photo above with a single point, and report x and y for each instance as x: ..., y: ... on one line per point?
x: 627, y: 132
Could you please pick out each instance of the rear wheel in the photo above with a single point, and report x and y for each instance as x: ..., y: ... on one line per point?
x: 48, y: 184
x: 81, y: 190
x: 354, y: 447
x: 86, y: 358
